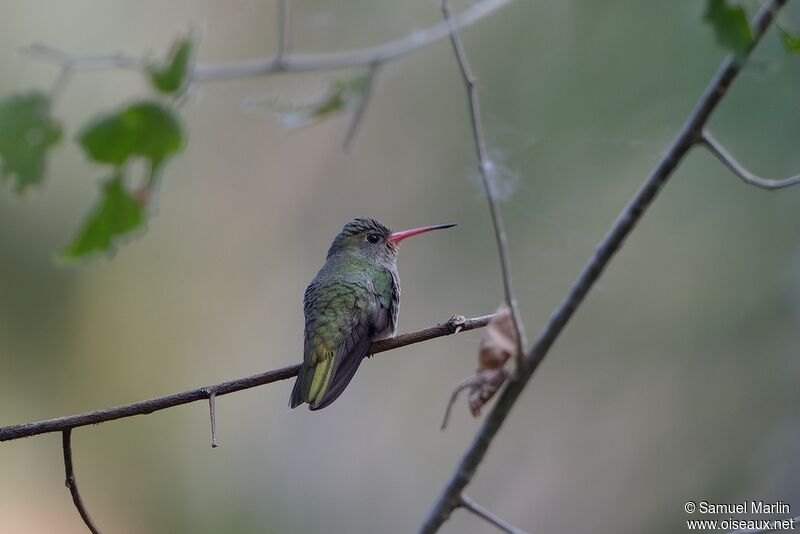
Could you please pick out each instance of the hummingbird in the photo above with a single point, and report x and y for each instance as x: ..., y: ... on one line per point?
x: 353, y: 300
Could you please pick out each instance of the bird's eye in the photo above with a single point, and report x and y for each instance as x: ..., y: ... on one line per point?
x: 373, y: 238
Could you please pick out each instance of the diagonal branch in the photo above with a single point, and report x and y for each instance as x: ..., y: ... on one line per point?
x: 467, y: 503
x: 455, y: 325
x: 69, y: 481
x: 282, y: 61
x: 689, y: 135
x: 727, y: 159
x: 361, y: 107
x: 485, y: 167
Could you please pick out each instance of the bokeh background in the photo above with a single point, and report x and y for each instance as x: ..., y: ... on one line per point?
x: 677, y: 380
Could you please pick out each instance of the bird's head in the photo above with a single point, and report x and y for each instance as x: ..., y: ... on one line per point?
x: 371, y: 239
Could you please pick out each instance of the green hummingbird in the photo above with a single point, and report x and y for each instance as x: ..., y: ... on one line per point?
x: 353, y: 300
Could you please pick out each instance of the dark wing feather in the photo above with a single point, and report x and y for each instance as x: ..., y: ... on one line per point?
x: 303, y: 383
x: 342, y: 319
x: 353, y: 351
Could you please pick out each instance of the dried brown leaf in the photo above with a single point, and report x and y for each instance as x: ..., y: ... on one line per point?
x: 498, y: 344
x: 488, y: 382
x: 499, y: 340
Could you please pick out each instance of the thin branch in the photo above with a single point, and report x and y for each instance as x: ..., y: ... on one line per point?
x: 60, y: 83
x: 456, y: 324
x: 485, y: 167
x: 372, y: 57
x: 249, y: 68
x: 773, y: 526
x: 461, y: 386
x: 284, y: 31
x: 69, y: 481
x: 354, y: 58
x: 74, y: 63
x: 361, y: 107
x: 212, y: 412
x: 480, y: 511
x: 688, y: 136
x: 727, y: 159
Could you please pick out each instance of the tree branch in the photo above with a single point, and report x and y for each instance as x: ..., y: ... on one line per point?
x: 727, y: 159
x: 480, y: 511
x: 212, y: 412
x: 689, y: 135
x: 485, y: 167
x: 373, y: 58
x: 67, y: 61
x: 282, y: 62
x: 455, y: 325
x: 343, y: 60
x: 69, y: 481
x: 361, y: 107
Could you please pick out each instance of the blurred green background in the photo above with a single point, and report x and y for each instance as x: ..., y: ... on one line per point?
x: 677, y: 380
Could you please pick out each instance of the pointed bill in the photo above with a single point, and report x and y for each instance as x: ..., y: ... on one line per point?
x: 396, y: 237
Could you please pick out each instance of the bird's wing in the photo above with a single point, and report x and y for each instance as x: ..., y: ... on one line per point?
x: 385, y: 289
x: 340, y: 325
x: 376, y: 314
x: 350, y: 356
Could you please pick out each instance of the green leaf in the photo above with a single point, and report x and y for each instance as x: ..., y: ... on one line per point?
x: 172, y: 75
x: 730, y: 25
x: 340, y: 95
x: 117, y: 214
x: 147, y: 129
x: 791, y: 40
x: 26, y: 133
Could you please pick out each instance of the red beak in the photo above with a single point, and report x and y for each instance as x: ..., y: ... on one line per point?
x: 396, y: 237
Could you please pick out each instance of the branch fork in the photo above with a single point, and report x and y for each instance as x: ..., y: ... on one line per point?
x: 726, y: 158
x: 71, y: 484
x: 626, y: 221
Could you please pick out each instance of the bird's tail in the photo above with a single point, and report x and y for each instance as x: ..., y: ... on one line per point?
x: 296, y: 399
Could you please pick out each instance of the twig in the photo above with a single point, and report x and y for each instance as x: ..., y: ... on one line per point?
x: 212, y: 411
x: 454, y: 325
x: 461, y: 386
x: 61, y: 81
x: 249, y: 68
x: 284, y: 31
x: 774, y: 526
x: 480, y: 511
x: 69, y: 481
x: 716, y: 148
x: 688, y: 136
x: 361, y: 107
x: 372, y: 57
x: 485, y: 167
x: 65, y: 60
x: 343, y: 60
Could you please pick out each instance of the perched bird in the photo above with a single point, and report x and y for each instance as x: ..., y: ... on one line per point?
x: 353, y: 300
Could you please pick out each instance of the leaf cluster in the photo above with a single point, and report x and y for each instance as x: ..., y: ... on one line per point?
x: 728, y: 19
x: 149, y: 129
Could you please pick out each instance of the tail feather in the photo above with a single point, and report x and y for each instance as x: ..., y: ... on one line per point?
x: 296, y: 399
x: 344, y: 374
